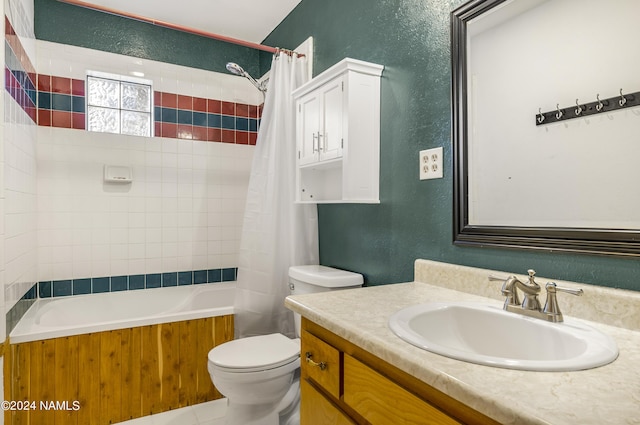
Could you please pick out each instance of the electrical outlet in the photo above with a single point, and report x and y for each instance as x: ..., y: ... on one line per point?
x: 431, y: 164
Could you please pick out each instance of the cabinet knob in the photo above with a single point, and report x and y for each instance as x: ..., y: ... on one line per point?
x: 321, y: 365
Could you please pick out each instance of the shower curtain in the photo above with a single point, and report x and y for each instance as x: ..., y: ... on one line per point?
x: 276, y: 233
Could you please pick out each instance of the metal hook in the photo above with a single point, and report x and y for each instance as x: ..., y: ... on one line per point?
x: 599, y: 106
x: 623, y: 99
x: 579, y: 110
x: 559, y: 114
x: 541, y: 117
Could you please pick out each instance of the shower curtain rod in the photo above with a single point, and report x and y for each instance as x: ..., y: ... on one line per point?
x: 182, y: 28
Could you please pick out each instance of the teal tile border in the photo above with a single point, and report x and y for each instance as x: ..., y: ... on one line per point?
x: 64, y: 288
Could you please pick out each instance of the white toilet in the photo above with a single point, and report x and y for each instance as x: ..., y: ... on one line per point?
x: 259, y: 375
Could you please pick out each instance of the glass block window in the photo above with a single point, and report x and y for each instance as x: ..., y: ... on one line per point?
x: 118, y: 105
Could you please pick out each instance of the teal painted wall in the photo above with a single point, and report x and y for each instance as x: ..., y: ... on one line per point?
x: 67, y: 24
x: 414, y: 220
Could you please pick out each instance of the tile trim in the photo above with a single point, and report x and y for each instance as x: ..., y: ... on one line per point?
x: 54, y: 101
x: 70, y: 287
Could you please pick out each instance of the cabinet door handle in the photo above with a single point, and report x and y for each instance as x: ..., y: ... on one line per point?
x: 323, y: 136
x: 316, y: 136
x: 321, y: 365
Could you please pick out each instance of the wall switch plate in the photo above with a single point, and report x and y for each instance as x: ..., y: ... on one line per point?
x: 431, y: 164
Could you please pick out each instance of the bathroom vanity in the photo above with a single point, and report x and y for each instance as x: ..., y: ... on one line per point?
x: 358, y: 371
x: 349, y: 385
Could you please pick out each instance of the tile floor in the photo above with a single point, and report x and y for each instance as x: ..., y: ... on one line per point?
x: 210, y: 413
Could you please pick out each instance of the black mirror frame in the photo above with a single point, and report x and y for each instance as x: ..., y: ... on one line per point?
x: 617, y: 242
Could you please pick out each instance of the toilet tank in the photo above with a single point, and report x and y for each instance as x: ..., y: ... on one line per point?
x: 314, y: 278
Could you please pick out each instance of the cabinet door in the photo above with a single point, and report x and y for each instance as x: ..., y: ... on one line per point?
x: 381, y: 401
x: 308, y: 124
x: 315, y: 409
x: 331, y: 137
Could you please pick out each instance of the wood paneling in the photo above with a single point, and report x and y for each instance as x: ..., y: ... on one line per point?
x: 114, y: 375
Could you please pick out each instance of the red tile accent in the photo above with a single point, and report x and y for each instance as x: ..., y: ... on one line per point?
x: 169, y: 129
x: 242, y: 110
x: 158, y: 129
x: 78, y: 121
x: 253, y: 138
x: 8, y: 28
x: 185, y: 102
x: 214, y: 135
x: 199, y: 133
x: 77, y: 87
x: 185, y: 131
x: 169, y: 100
x: 44, y: 82
x: 60, y: 85
x: 242, y: 137
x: 253, y: 111
x: 44, y: 117
x: 157, y: 98
x: 214, y: 106
x: 228, y: 108
x: 228, y: 136
x: 199, y: 104
x: 33, y: 113
x: 61, y: 119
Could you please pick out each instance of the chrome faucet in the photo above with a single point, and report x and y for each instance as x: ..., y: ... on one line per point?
x: 530, y: 305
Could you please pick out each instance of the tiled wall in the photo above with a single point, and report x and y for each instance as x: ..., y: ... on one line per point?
x: 180, y: 218
x: 18, y: 203
x: 183, y: 210
x: 61, y: 103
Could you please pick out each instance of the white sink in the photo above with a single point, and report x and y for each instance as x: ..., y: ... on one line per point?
x: 490, y: 336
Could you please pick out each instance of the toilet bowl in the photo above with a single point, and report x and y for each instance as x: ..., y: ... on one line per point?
x: 260, y: 375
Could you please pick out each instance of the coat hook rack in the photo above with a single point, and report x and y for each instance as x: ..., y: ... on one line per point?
x: 582, y: 110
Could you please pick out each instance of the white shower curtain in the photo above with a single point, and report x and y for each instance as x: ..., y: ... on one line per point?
x: 276, y: 233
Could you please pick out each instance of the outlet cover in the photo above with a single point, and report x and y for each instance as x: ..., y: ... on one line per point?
x: 431, y: 164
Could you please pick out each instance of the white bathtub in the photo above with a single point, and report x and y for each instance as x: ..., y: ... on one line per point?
x: 81, y: 314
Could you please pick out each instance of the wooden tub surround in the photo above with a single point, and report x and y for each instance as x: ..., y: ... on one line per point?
x: 114, y: 375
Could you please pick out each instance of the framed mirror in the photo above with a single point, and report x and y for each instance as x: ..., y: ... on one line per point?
x: 546, y: 125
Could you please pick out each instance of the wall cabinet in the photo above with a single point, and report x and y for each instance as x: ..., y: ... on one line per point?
x: 343, y: 384
x: 338, y: 134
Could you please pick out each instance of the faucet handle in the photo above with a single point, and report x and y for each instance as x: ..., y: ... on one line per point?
x: 551, y: 307
x: 501, y: 279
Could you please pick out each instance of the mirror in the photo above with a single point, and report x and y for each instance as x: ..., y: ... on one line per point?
x: 546, y: 128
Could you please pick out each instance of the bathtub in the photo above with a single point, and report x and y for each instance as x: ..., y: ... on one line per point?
x: 82, y: 314
x: 118, y: 355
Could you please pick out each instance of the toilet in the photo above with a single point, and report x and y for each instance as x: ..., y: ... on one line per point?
x: 260, y: 375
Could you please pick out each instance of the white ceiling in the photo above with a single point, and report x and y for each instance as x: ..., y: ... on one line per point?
x: 249, y: 20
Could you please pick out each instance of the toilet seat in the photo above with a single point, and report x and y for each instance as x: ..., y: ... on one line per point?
x: 254, y: 354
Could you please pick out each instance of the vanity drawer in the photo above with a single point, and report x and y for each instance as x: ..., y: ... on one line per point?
x: 381, y: 401
x: 320, y: 362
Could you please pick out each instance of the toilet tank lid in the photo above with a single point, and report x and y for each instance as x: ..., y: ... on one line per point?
x: 325, y: 276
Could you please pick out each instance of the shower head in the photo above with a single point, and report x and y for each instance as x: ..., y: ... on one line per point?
x: 236, y: 69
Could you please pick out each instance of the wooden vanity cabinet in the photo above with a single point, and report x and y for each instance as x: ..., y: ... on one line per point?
x: 342, y: 383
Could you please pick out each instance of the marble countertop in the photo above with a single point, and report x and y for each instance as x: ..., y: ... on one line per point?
x: 608, y: 394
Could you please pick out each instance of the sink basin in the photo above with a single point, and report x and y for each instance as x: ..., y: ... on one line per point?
x: 490, y: 336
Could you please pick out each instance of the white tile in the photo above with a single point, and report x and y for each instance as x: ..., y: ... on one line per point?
x: 211, y: 410
x: 184, y: 416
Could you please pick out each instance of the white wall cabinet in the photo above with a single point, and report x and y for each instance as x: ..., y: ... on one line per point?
x: 338, y: 135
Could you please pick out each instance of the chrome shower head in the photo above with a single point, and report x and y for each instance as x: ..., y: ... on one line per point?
x: 236, y: 69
